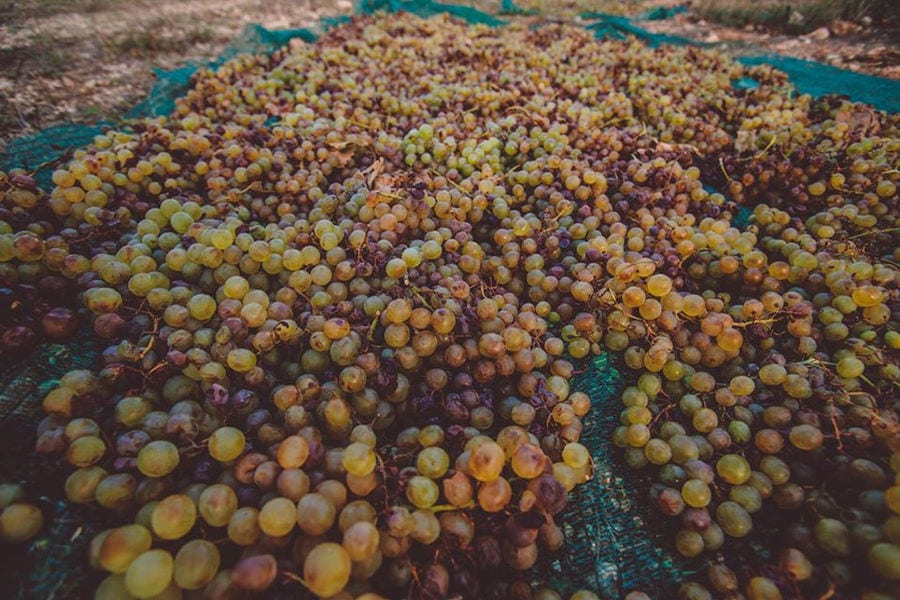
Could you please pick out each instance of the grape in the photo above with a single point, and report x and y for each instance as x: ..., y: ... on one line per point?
x: 226, y: 444
x: 422, y: 491
x: 243, y: 526
x: 494, y: 495
x: 689, y: 543
x: 795, y: 564
x: 458, y: 489
x: 733, y: 469
x: 122, y: 545
x: 805, y: 437
x: 433, y: 462
x: 358, y: 459
x: 149, y: 574
x: 196, y: 564
x: 255, y: 573
x: 326, y: 569
x: 111, y: 588
x: 216, y: 504
x: 315, y: 514
x: 575, y: 455
x: 426, y: 527
x: 833, y: 537
x: 486, y: 461
x: 10, y: 493
x: 659, y: 285
x: 528, y: 461
x: 158, y: 459
x: 174, y: 517
x: 696, y: 493
x: 733, y: 519
x: 883, y: 558
x: 722, y: 578
x: 19, y: 522
x: 762, y: 588
x: 361, y: 540
x: 116, y: 491
x: 278, y: 517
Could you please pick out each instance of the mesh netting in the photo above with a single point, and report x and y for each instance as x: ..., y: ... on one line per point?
x: 818, y: 79
x: 41, y: 151
x: 254, y: 39
x: 807, y: 77
x: 613, y: 541
x: 428, y: 8
x: 609, y: 547
x: 54, y: 565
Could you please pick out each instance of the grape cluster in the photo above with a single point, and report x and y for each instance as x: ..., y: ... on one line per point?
x: 39, y: 304
x: 345, y: 289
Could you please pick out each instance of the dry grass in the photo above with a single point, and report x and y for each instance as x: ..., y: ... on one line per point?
x: 797, y: 16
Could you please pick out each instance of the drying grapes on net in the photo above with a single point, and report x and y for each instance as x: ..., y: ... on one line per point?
x: 342, y: 293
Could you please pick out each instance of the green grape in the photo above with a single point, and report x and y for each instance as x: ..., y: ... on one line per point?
x: 122, y: 545
x: 361, y: 540
x: 19, y: 522
x: 158, y: 458
x: 243, y: 526
x: 112, y: 588
x: 241, y: 360
x: 806, y: 437
x: 733, y: 519
x: 174, y: 517
x: 315, y: 514
x: 696, y: 493
x: 226, y: 444
x: 884, y: 559
x: 359, y: 459
x: 762, y: 588
x: 326, y: 569
x: 196, y: 564
x: 849, y: 367
x: 216, y: 504
x: 426, y: 527
x: 85, y: 451
x: 149, y: 574
x: 575, y: 455
x: 278, y: 517
x: 433, y: 462
x: 733, y: 469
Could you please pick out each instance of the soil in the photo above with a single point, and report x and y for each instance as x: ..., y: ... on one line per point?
x: 89, y: 60
x: 843, y: 44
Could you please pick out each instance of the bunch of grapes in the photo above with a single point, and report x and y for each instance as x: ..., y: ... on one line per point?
x: 34, y: 303
x: 345, y: 290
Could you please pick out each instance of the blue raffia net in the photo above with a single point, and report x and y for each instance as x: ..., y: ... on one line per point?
x: 610, y: 546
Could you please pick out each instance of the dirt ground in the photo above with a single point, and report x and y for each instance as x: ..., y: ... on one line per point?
x: 87, y: 60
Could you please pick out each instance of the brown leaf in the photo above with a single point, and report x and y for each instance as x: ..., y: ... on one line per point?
x: 375, y: 170
x: 859, y: 117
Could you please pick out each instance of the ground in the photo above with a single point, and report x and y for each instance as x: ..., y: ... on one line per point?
x: 87, y: 60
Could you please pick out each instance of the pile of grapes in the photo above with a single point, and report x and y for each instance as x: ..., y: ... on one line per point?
x: 345, y: 290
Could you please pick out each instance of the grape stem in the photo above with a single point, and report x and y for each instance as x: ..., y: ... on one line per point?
x: 835, y: 427
x: 294, y: 577
x: 874, y: 232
